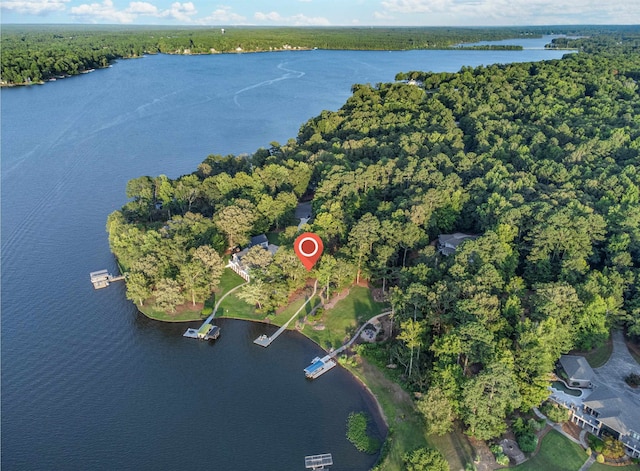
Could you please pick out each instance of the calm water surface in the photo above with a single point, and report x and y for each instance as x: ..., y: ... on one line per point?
x: 88, y: 382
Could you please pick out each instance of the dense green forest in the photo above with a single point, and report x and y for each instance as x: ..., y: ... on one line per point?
x: 31, y: 54
x: 539, y: 160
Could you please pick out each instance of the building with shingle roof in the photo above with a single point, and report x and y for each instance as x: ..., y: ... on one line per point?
x: 578, y: 370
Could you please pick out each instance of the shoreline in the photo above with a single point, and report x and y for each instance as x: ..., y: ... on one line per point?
x: 210, y: 53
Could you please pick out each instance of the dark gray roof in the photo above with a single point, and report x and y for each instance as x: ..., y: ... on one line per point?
x: 576, y: 367
x: 614, y: 410
x: 448, y: 243
x: 259, y: 239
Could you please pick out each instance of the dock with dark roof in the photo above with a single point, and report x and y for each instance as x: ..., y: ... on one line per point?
x: 102, y: 278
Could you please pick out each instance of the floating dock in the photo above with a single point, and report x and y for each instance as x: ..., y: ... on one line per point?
x: 318, y: 462
x: 102, y: 278
x: 319, y: 366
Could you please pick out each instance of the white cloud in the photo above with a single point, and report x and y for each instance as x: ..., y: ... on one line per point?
x: 142, y: 8
x: 181, y: 11
x: 383, y: 15
x: 294, y: 20
x: 106, y: 11
x: 222, y: 15
x: 95, y: 12
x: 519, y: 11
x: 34, y: 7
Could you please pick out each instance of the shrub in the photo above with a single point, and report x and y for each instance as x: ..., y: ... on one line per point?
x: 502, y: 460
x: 357, y: 433
x: 613, y: 448
x: 588, y: 451
x: 600, y: 458
x: 595, y: 443
x: 424, y: 459
x: 525, y: 434
x: 527, y: 442
x: 554, y: 412
x: 470, y: 467
x: 496, y: 449
x: 207, y: 311
x: 633, y: 380
x: 537, y: 425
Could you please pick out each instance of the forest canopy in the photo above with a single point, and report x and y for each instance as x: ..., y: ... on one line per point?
x: 539, y: 161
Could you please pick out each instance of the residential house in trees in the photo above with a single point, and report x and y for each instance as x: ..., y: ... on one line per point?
x: 448, y: 243
x: 600, y: 409
x: 606, y: 412
x: 578, y: 370
x: 235, y: 263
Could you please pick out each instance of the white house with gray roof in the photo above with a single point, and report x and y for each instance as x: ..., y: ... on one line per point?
x: 601, y: 410
x: 606, y: 412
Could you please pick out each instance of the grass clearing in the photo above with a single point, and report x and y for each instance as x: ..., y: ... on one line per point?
x: 606, y: 467
x: 180, y: 316
x: 341, y: 321
x: 290, y: 310
x: 228, y: 281
x: 598, y: 356
x: 406, y: 427
x: 406, y: 430
x: 556, y: 452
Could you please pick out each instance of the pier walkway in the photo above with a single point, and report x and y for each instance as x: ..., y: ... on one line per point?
x: 194, y: 333
x: 265, y: 341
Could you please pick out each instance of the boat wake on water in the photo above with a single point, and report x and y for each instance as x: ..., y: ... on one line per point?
x: 289, y: 74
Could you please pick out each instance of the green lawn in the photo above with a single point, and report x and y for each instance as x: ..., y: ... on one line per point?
x: 598, y: 356
x: 455, y: 447
x: 228, y: 281
x: 604, y: 467
x: 556, y: 453
x: 290, y: 310
x: 183, y: 316
x: 341, y: 321
x: 406, y: 426
x: 407, y: 431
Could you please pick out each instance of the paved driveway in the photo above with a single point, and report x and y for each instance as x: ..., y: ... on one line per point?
x: 619, y: 365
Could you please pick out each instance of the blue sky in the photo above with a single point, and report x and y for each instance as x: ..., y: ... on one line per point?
x: 324, y: 12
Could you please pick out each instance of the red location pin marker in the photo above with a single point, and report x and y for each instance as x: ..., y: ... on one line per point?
x: 308, y: 247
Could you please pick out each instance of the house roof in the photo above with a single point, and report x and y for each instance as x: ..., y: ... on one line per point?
x: 576, y: 367
x: 259, y: 239
x: 614, y: 410
x: 449, y: 242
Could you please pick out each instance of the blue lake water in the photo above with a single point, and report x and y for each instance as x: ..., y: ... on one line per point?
x: 87, y: 381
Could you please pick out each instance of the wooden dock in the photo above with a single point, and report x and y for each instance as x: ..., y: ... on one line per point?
x: 265, y: 341
x: 102, y: 278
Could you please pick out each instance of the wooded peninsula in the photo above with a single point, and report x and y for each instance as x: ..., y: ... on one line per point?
x: 538, y: 163
x: 495, y: 211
